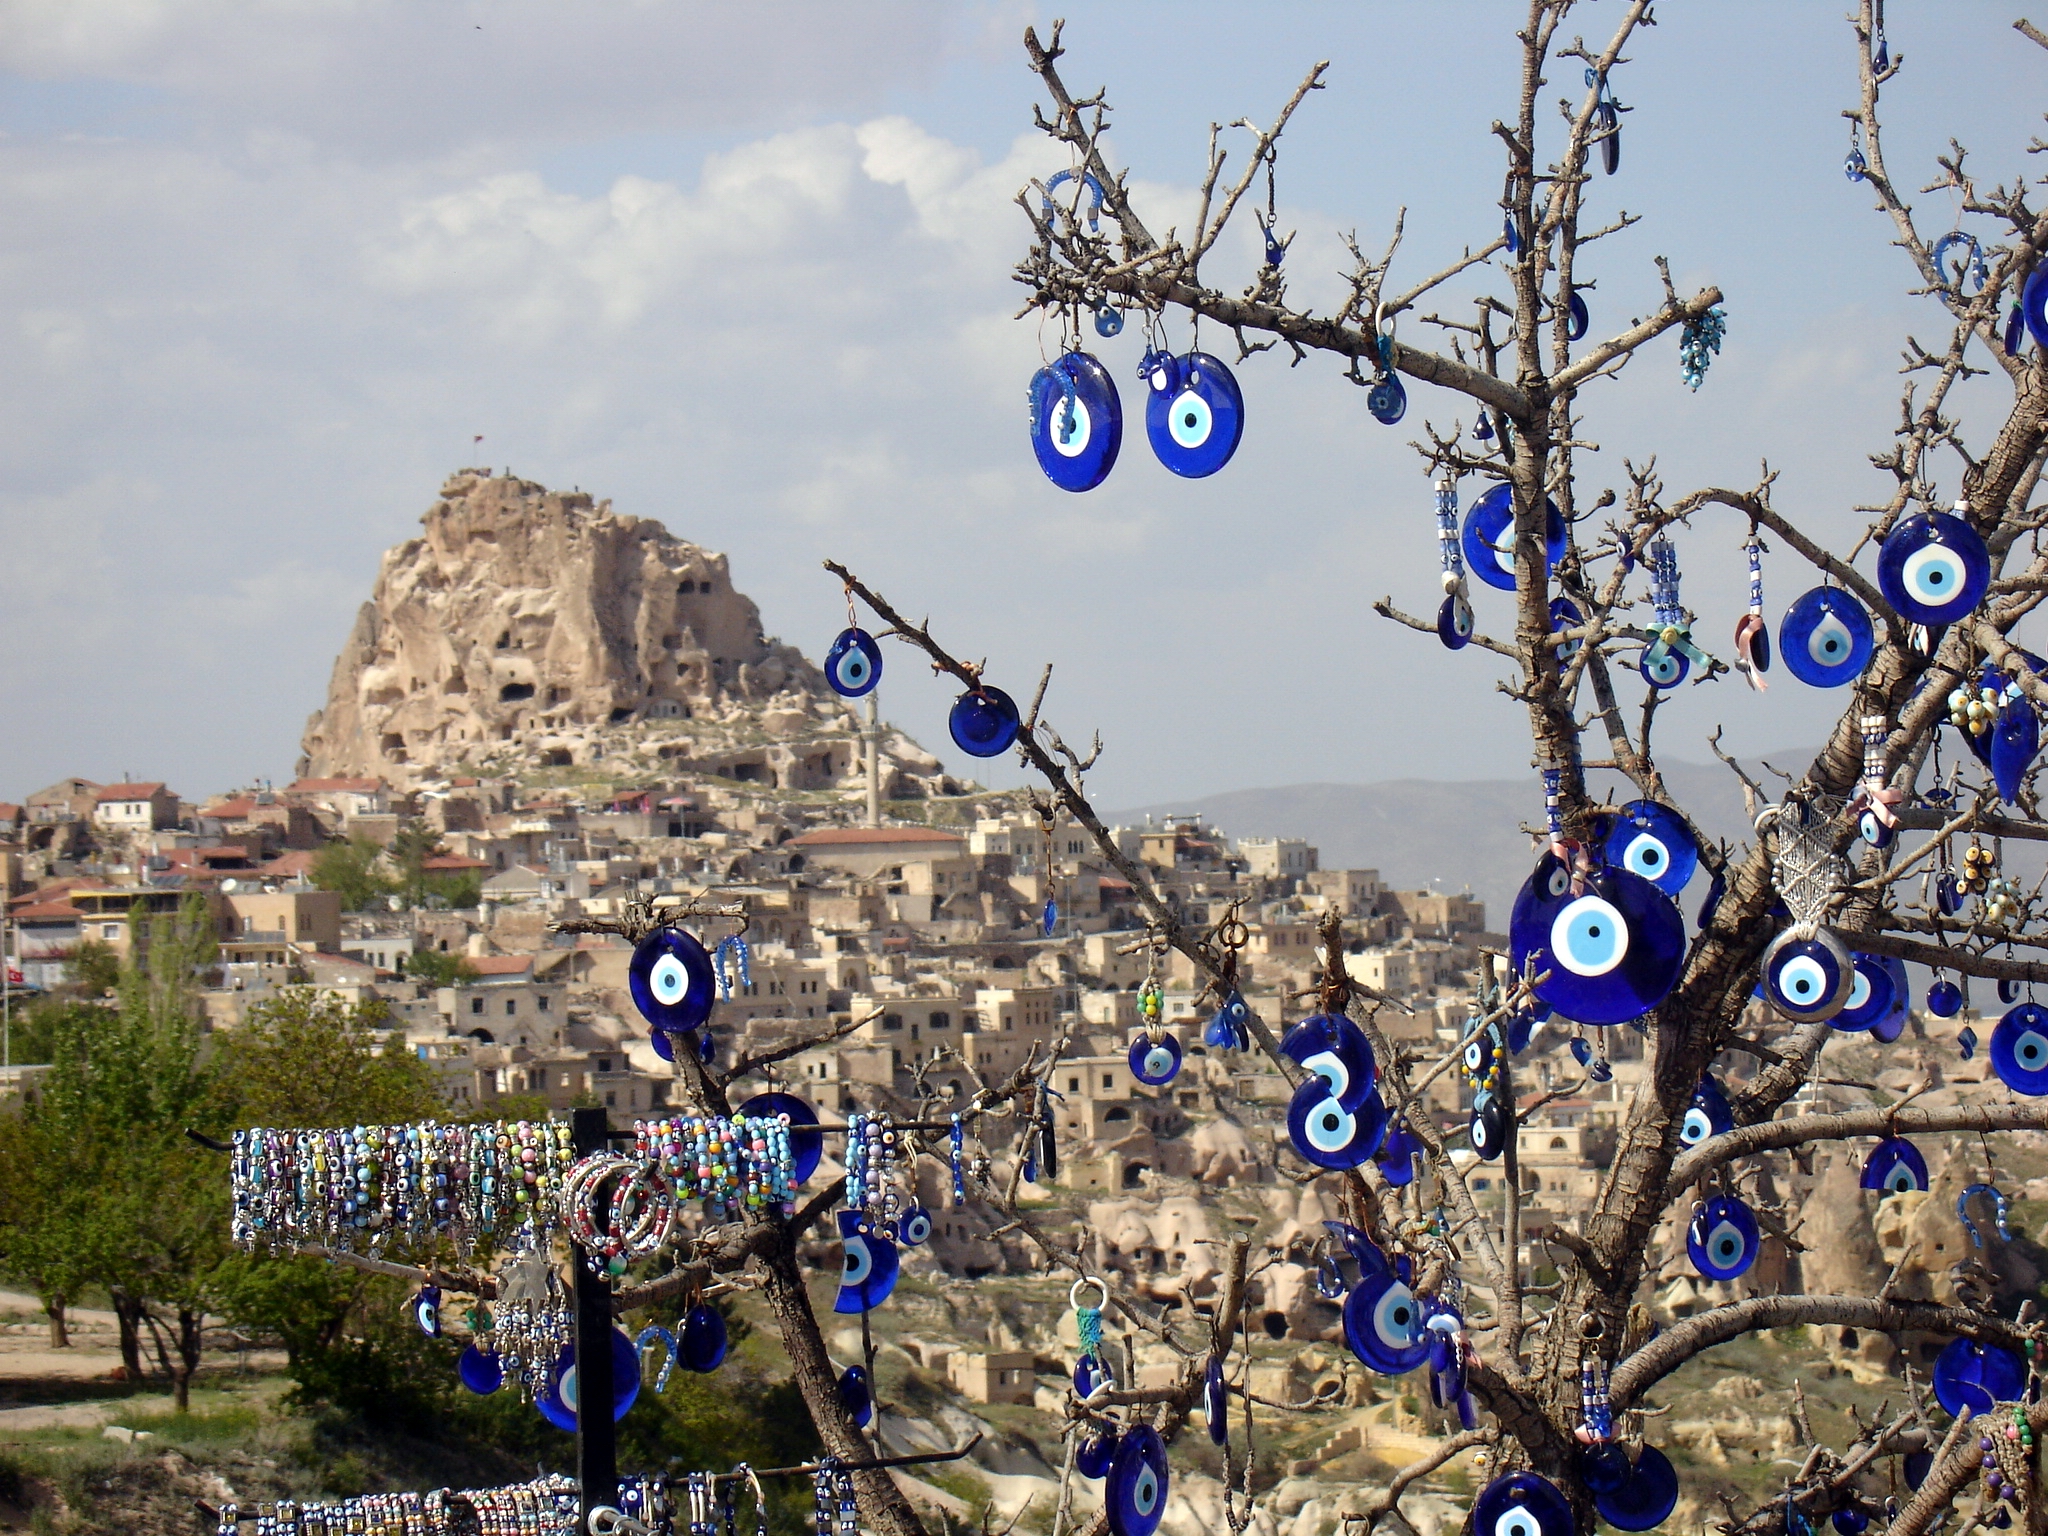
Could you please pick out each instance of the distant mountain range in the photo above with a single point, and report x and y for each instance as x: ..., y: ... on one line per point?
x: 1455, y: 835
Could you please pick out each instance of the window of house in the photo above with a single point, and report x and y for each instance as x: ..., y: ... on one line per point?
x: 511, y: 1005
x: 476, y: 1005
x: 611, y: 1101
x: 1109, y: 1079
x: 1073, y: 1085
x: 110, y: 930
x: 941, y: 1021
x: 604, y: 1063
x: 542, y: 1002
x: 892, y: 1021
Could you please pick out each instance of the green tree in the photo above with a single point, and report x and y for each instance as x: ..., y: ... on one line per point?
x: 95, y: 968
x: 415, y: 843
x: 304, y: 1058
x: 351, y: 868
x: 442, y: 970
x: 456, y: 891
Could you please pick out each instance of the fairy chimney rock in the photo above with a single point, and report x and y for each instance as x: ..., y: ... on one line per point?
x: 535, y: 628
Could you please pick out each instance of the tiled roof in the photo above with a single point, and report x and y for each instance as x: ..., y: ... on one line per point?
x: 876, y: 837
x: 501, y: 965
x: 111, y: 792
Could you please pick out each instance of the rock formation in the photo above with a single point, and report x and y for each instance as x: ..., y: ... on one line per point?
x: 535, y: 628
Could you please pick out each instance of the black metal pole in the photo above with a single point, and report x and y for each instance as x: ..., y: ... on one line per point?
x: 597, y: 1449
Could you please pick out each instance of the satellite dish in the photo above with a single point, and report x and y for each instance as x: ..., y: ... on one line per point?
x: 230, y: 885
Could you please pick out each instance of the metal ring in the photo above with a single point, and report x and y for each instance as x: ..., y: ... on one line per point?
x: 1074, y: 1292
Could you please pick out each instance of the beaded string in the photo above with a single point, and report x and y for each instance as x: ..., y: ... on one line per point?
x: 546, y: 1506
x: 1699, y: 345
x: 1553, y: 811
x: 959, y: 1148
x: 1750, y: 629
x: 740, y: 960
x: 849, y: 1506
x: 1448, y: 551
x: 821, y: 1497
x: 733, y: 1165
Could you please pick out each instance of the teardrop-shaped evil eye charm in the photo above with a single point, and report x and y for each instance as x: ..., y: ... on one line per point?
x: 1134, y: 1494
x: 915, y: 1228
x: 671, y: 980
x: 1077, y: 422
x: 1155, y: 1062
x: 1454, y: 622
x: 1096, y: 1452
x: 1944, y: 999
x: 702, y: 1344
x: 1108, y: 322
x: 1808, y: 980
x: 1948, y: 894
x: 1230, y: 1026
x: 1194, y: 415
x: 1826, y: 638
x: 426, y: 1310
x: 479, y: 1373
x: 856, y: 1395
x: 1646, y: 1499
x: 1383, y: 1325
x: 1387, y: 399
x: 1582, y: 1050
x: 1578, y: 321
x: 1709, y: 1114
x: 1723, y: 1239
x: 2015, y: 738
x: 1977, y: 1376
x: 1610, y: 147
x: 854, y: 664
x: 2019, y: 1050
x: 1088, y: 1375
x: 1565, y: 616
x: 2015, y: 328
x: 2008, y: 991
x: 1873, y: 829
x: 1521, y: 1504
x: 868, y: 1267
x: 1611, y: 953
x: 806, y: 1147
x: 1653, y: 841
x: 664, y: 1044
x: 1663, y: 669
x: 1216, y: 1402
x: 1966, y: 1042
x: 2034, y: 303
x: 1336, y: 1050
x: 1876, y: 992
x: 984, y: 722
x: 1933, y: 568
x: 1490, y: 1126
x: 1489, y: 536
x: 1327, y: 1134
x: 1894, y: 1164
x: 1396, y: 1156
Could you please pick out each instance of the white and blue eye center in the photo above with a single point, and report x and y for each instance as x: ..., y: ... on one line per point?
x: 1698, y: 1126
x: 1725, y: 1242
x: 1158, y: 1061
x: 1859, y: 992
x: 1646, y: 855
x: 1145, y: 1490
x: 856, y: 1263
x: 1900, y: 1178
x: 1665, y: 666
x: 2030, y: 1050
x: 565, y: 1389
x: 1830, y: 644
x: 1475, y: 1056
x: 1934, y: 574
x: 852, y: 665
x: 1461, y: 617
x: 1072, y: 425
x: 1589, y: 937
x: 1330, y: 1127
x: 1517, y: 1521
x: 1394, y: 1318
x: 1558, y: 881
x: 1802, y: 980
x: 669, y: 980
x: 1330, y: 1067
x: 917, y: 1227
x: 1189, y: 420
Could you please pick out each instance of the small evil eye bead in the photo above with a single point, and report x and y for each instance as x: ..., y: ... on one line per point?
x: 854, y: 664
x: 1666, y: 670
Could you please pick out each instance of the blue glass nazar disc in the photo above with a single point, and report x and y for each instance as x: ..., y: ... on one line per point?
x: 1489, y: 536
x: 1653, y: 841
x: 1723, y: 1239
x: 1894, y: 1164
x: 1611, y: 953
x: 1194, y: 413
x: 1076, y: 440
x: 854, y: 664
x: 1933, y: 568
x: 984, y: 723
x: 2019, y: 1050
x: 1825, y: 638
x: 1521, y: 1504
x: 1134, y: 1494
x: 671, y: 980
x: 1154, y: 1062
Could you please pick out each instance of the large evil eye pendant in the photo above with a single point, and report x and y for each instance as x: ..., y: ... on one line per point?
x: 806, y: 1147
x: 1894, y: 1165
x: 1876, y: 993
x: 1077, y: 422
x: 1808, y: 980
x: 984, y: 722
x: 2019, y: 1050
x: 671, y: 981
x: 1489, y: 536
x: 1933, y: 568
x: 1194, y: 415
x: 1155, y: 1062
x: 1977, y: 1376
x: 1134, y: 1495
x: 1646, y: 1497
x: 854, y: 664
x: 1825, y: 638
x: 1521, y: 1504
x: 867, y: 1267
x: 704, y: 1340
x: 1327, y: 1134
x: 1653, y: 841
x: 1383, y: 1325
x: 1608, y: 955
x: 1336, y: 1050
x: 1723, y: 1239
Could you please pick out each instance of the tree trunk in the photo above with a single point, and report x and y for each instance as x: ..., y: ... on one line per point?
x: 60, y: 1334
x: 191, y: 1341
x: 128, y: 1315
x: 887, y: 1512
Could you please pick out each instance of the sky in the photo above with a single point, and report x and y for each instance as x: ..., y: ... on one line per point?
x: 267, y: 269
